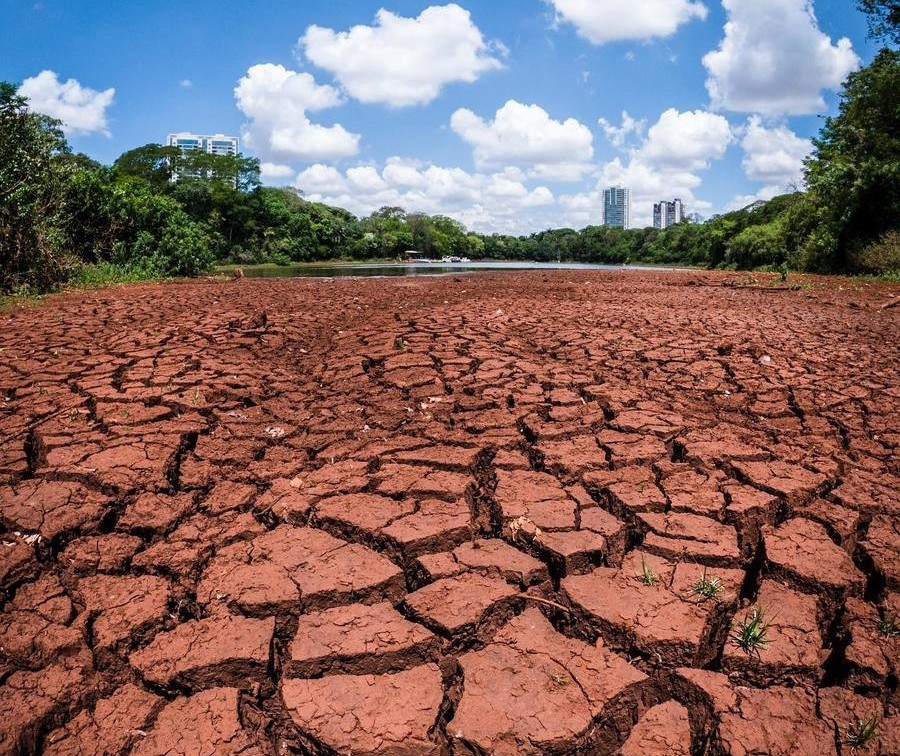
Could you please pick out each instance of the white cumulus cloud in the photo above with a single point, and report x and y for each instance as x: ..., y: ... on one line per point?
x: 498, y: 201
x: 773, y: 155
x: 687, y: 141
x: 526, y: 135
x: 664, y: 165
x: 81, y: 110
x: 602, y: 21
x: 277, y: 100
x: 275, y: 172
x: 775, y: 60
x: 618, y: 135
x: 403, y: 61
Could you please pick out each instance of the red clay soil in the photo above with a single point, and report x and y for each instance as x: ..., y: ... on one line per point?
x: 518, y: 513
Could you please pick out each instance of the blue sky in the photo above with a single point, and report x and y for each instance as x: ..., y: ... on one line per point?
x: 506, y: 114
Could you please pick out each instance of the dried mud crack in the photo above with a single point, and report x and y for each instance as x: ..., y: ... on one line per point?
x: 593, y: 513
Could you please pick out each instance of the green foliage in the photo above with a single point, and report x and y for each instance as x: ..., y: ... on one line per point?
x: 706, y: 587
x: 97, y: 275
x: 152, y: 162
x: 30, y: 255
x: 884, y: 19
x: 862, y: 732
x: 647, y: 576
x: 234, y: 171
x: 879, y: 258
x: 888, y: 626
x: 752, y: 631
x: 756, y: 246
x: 854, y: 172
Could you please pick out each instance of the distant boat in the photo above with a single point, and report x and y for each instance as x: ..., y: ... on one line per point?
x: 455, y: 259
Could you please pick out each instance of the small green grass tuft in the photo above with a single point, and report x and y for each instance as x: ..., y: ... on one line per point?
x: 751, y: 632
x: 706, y: 587
x: 647, y: 576
x: 862, y: 732
x: 888, y: 626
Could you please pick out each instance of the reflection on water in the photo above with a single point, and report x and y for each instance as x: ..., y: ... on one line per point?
x: 416, y: 269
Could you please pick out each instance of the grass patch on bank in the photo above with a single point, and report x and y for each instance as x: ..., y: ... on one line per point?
x: 99, y: 275
x: 93, y: 276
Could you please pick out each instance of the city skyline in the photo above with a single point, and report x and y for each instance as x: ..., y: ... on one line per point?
x: 508, y: 116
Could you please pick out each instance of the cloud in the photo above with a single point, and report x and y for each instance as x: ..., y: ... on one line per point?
x: 186, y: 83
x: 743, y: 200
x: 601, y: 21
x: 507, y: 193
x: 527, y: 135
x: 664, y: 165
x: 774, y: 60
x: 511, y: 198
x: 277, y: 100
x: 81, y: 110
x: 618, y: 135
x: 404, y: 61
x: 686, y: 141
x: 773, y: 156
x: 498, y: 201
x: 275, y: 172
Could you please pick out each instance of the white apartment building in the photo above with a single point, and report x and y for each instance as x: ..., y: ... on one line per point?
x: 667, y: 213
x: 215, y: 144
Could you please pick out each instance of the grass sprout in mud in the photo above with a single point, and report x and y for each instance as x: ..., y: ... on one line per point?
x: 862, y: 733
x: 707, y: 587
x: 751, y: 632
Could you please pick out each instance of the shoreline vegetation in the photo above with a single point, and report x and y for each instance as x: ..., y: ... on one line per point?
x: 66, y: 219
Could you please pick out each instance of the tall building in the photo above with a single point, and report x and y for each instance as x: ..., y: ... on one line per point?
x: 617, y: 207
x: 214, y: 144
x: 667, y: 213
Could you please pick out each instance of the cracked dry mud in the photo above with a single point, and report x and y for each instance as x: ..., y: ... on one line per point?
x: 499, y: 514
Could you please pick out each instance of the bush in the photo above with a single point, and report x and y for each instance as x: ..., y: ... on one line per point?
x: 757, y: 246
x: 880, y: 257
x: 183, y: 249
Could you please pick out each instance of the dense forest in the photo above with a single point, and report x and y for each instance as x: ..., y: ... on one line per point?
x: 64, y: 216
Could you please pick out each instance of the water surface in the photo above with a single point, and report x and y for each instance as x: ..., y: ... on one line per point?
x: 361, y: 270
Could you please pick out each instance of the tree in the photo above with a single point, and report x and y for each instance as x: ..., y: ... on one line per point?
x: 151, y: 162
x: 756, y: 246
x: 86, y: 213
x: 884, y: 18
x: 29, y: 142
x: 854, y: 171
x: 156, y: 235
x: 237, y: 171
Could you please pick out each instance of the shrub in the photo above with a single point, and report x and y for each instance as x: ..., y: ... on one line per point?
x: 879, y: 258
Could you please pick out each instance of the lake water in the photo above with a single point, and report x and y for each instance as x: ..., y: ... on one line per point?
x: 418, y: 269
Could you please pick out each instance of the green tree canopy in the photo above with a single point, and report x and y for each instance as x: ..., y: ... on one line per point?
x: 854, y: 171
x: 151, y: 162
x: 884, y: 18
x: 29, y: 184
